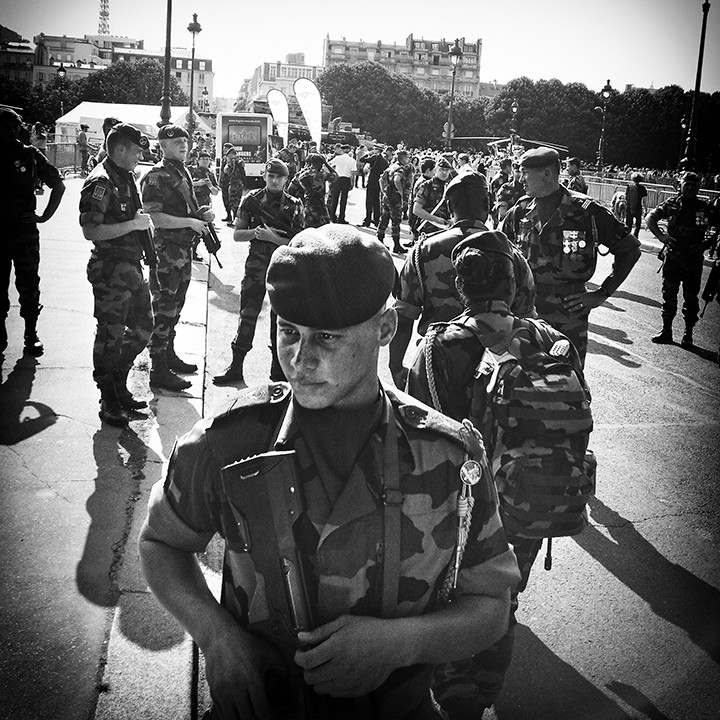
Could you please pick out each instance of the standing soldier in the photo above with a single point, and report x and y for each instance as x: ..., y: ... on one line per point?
x: 428, y: 204
x: 508, y: 194
x: 377, y: 163
x: 111, y: 217
x: 688, y: 218
x: 205, y: 185
x: 558, y: 232
x: 169, y: 197
x: 395, y: 186
x: 267, y: 218
x: 635, y: 200
x: 224, y: 182
x: 309, y: 186
x: 575, y: 180
x: 236, y: 181
x: 21, y: 166
x: 496, y: 183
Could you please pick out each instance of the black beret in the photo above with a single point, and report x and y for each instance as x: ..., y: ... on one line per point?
x: 131, y: 133
x: 470, y: 182
x: 204, y: 153
x: 539, y: 158
x: 690, y: 177
x: 330, y: 277
x: 10, y: 118
x: 574, y: 161
x: 444, y: 163
x: 277, y: 167
x: 170, y: 132
x: 491, y: 241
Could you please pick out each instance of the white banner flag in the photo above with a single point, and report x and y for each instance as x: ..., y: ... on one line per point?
x: 279, y: 108
x: 308, y: 97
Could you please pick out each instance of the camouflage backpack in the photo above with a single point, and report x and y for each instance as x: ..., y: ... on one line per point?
x: 533, y: 409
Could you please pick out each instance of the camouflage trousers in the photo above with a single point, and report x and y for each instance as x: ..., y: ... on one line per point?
x: 122, y: 311
x: 390, y: 211
x: 21, y: 250
x: 169, y: 283
x: 549, y: 306
x: 316, y: 213
x: 235, y: 191
x: 465, y: 687
x: 686, y: 271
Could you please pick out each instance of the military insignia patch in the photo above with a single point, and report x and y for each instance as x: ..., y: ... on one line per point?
x: 152, y: 179
x: 98, y: 192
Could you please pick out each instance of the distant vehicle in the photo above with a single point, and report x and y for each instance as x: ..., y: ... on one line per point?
x: 252, y: 134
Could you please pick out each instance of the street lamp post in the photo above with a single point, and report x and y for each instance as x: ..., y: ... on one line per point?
x: 456, y: 55
x: 606, y: 92
x: 165, y: 100
x: 688, y: 162
x: 194, y: 28
x: 61, y: 74
x: 515, y: 109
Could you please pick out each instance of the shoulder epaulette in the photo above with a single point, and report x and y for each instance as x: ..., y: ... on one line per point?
x: 272, y: 393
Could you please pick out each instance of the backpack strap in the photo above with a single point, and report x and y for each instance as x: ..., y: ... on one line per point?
x: 392, y: 501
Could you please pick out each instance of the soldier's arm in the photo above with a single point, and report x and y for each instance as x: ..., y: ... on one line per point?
x: 651, y: 221
x: 56, y: 193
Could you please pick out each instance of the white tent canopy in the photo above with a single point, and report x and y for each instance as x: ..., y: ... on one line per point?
x: 144, y: 117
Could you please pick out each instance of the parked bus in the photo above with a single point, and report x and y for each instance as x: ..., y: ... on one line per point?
x: 253, y: 137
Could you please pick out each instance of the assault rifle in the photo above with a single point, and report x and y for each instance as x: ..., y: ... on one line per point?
x: 279, y: 224
x: 266, y: 500
x: 212, y: 242
x: 147, y: 244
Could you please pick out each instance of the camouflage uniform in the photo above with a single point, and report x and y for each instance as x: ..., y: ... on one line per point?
x: 288, y: 212
x: 688, y: 219
x: 508, y: 194
x: 429, y: 193
x: 167, y: 188
x: 456, y: 353
x: 392, y: 201
x: 122, y: 297
x: 236, y: 181
x: 577, y: 183
x: 202, y: 193
x: 562, y: 254
x: 426, y: 285
x: 309, y: 186
x: 21, y: 167
x: 343, y: 537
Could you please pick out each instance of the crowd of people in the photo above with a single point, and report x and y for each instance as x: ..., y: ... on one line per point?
x: 412, y: 571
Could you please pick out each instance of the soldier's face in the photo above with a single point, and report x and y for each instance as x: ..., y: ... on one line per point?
x: 442, y: 172
x: 689, y: 188
x: 274, y: 182
x: 334, y: 368
x: 175, y: 148
x: 128, y: 156
x: 536, y: 182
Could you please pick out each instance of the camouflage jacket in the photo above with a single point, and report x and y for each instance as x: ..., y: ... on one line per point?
x: 233, y: 172
x: 456, y: 352
x: 309, y: 186
x: 110, y: 195
x: 562, y: 253
x: 202, y: 193
x: 509, y: 193
x: 388, y: 187
x: 343, y: 540
x: 688, y: 219
x: 429, y: 193
x: 278, y: 210
x: 167, y: 188
x: 425, y: 288
x: 576, y: 183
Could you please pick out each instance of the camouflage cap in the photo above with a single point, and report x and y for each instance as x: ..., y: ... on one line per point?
x: 170, y: 132
x: 539, y: 158
x: 10, y: 118
x: 277, y: 167
x: 330, y: 277
x: 131, y: 133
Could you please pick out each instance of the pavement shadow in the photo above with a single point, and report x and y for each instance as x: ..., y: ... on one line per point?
x: 541, y: 686
x: 21, y: 417
x: 615, y: 353
x: 672, y: 592
x: 633, y: 697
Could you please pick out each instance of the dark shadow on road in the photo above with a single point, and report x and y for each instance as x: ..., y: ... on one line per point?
x: 226, y: 297
x: 672, y: 592
x: 615, y: 353
x: 633, y: 697
x: 705, y: 354
x: 624, y: 295
x: 20, y: 417
x: 541, y: 686
x: 618, y: 336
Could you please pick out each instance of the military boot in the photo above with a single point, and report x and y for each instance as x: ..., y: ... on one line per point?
x: 687, y: 338
x: 175, y: 363
x: 233, y: 373
x: 665, y: 337
x: 125, y: 398
x: 33, y: 346
x: 163, y: 377
x: 110, y: 410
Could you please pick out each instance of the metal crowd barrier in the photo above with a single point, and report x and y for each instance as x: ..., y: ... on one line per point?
x: 65, y: 156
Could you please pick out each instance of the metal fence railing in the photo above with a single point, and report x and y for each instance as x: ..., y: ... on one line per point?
x: 603, y: 191
x: 65, y: 156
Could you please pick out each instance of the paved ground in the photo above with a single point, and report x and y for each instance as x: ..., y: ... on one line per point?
x: 625, y: 626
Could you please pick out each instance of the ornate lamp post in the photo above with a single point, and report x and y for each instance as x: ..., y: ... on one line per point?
x: 194, y: 28
x: 205, y: 101
x: 515, y: 109
x: 165, y: 100
x: 606, y: 92
x: 688, y: 161
x: 61, y: 73
x: 456, y: 55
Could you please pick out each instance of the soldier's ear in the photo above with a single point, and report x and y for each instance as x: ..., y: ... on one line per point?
x: 388, y: 326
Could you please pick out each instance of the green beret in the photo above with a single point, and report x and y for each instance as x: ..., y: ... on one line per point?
x: 330, y: 277
x: 539, y: 158
x: 469, y: 182
x: 130, y: 132
x: 277, y: 167
x: 170, y: 132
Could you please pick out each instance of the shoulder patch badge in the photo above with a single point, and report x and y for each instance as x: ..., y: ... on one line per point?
x: 98, y: 192
x: 152, y: 178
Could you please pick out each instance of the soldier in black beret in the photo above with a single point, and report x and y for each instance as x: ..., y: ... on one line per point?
x: 558, y: 232
x: 169, y: 197
x: 575, y: 181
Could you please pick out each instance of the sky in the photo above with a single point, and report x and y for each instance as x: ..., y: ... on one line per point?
x: 638, y: 42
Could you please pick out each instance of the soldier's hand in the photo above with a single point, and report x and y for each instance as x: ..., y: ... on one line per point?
x: 349, y: 657
x: 143, y: 221
x: 582, y: 303
x: 207, y: 215
x: 198, y: 226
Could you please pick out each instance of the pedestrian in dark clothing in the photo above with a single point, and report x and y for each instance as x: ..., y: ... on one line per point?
x: 635, y: 195
x: 378, y: 163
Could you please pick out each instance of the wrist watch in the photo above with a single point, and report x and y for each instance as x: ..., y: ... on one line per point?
x: 604, y: 291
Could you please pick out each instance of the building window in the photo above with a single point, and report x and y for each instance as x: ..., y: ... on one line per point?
x: 468, y: 73
x: 338, y: 50
x: 178, y: 75
x: 201, y: 78
x: 202, y: 65
x: 436, y: 71
x: 179, y: 64
x: 421, y: 58
x: 389, y: 54
x: 420, y: 70
x: 436, y: 60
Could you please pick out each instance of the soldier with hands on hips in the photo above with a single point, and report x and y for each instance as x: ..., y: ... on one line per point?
x: 111, y: 217
x: 21, y: 167
x: 169, y: 198
x: 559, y: 232
x: 376, y: 469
